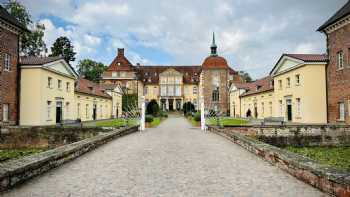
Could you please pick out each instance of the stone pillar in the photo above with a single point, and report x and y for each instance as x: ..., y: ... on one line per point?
x: 143, y: 114
x: 182, y: 103
x: 174, y: 104
x: 167, y: 104
x: 202, y: 113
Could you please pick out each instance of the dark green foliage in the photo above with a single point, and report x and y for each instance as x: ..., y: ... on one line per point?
x: 149, y: 118
x: 63, y: 47
x: 188, y: 108
x: 32, y: 42
x: 197, y: 116
x: 163, y: 114
x: 245, y: 76
x: 153, y: 108
x: 90, y: 69
x: 129, y: 102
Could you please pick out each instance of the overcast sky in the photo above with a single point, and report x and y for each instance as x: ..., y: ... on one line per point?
x: 250, y: 34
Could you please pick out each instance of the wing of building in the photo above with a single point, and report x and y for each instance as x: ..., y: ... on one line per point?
x: 173, y: 85
x: 10, y: 30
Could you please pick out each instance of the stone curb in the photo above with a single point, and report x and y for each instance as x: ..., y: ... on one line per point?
x: 17, y: 171
x: 323, y: 177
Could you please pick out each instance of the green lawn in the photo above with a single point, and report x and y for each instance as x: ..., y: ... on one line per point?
x: 226, y: 122
x: 155, y: 122
x: 116, y: 123
x: 338, y: 157
x: 7, y: 154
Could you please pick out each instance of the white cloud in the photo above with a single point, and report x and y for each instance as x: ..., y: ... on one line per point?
x: 92, y: 40
x: 305, y: 48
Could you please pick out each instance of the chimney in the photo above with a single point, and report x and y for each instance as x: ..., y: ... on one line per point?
x: 120, y: 51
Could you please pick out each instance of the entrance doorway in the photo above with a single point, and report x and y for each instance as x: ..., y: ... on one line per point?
x: 289, y: 110
x: 94, y: 112
x: 171, y: 104
x: 178, y: 105
x: 255, y: 110
x: 58, y: 111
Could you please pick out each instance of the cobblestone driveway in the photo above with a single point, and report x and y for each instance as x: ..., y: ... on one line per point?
x: 171, y: 160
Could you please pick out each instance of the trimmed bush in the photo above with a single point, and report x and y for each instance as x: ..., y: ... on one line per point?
x: 163, y: 114
x: 153, y: 108
x: 188, y: 107
x: 197, y: 116
x: 149, y: 118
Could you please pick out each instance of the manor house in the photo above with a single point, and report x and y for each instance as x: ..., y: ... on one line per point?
x: 173, y: 85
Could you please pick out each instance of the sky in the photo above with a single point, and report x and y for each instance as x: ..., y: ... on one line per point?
x: 250, y: 34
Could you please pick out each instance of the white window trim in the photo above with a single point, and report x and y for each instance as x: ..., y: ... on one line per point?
x: 7, y: 62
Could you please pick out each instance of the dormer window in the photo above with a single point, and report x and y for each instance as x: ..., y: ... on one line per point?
x: 258, y: 87
x: 91, y: 88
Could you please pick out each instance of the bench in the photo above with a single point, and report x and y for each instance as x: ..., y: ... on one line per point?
x: 273, y: 120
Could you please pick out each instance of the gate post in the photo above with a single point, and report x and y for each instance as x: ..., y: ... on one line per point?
x: 143, y: 114
x: 202, y: 114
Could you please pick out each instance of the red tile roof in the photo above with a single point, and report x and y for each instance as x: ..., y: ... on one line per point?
x: 150, y: 74
x: 258, y: 86
x: 215, y: 62
x: 31, y: 60
x: 309, y: 57
x: 88, y: 87
x: 120, y: 63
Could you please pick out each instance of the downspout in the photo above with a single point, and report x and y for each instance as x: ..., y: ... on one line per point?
x: 18, y: 81
x: 326, y: 73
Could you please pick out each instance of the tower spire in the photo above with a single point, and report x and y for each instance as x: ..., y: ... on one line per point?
x: 213, y: 47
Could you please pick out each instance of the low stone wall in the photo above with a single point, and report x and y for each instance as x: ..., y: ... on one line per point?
x: 323, y: 177
x: 17, y: 171
x: 297, y: 135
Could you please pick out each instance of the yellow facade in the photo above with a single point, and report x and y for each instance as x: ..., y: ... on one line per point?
x: 302, y: 91
x: 260, y: 105
x: 299, y: 94
x: 191, y: 94
x: 40, y: 98
x: 90, y: 107
x: 151, y: 92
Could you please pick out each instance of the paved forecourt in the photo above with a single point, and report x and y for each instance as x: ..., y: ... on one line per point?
x: 173, y: 159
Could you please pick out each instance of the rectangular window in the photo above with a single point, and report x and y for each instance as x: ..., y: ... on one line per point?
x: 195, y: 90
x: 155, y: 92
x: 177, y: 90
x: 7, y: 62
x: 341, y: 111
x: 5, y: 112
x: 263, y: 109
x: 78, y: 110
x: 67, y: 110
x: 87, y: 111
x: 270, y: 108
x: 297, y: 80
x: 59, y: 84
x: 298, y: 107
x: 288, y: 82
x: 49, y: 82
x: 114, y: 74
x: 340, y: 59
x: 145, y: 91
x: 67, y: 86
x: 280, y: 84
x: 49, y: 110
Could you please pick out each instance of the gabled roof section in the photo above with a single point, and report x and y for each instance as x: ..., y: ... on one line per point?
x: 340, y: 14
x: 55, y: 64
x: 150, y: 74
x: 4, y: 15
x: 120, y: 63
x: 290, y: 61
x: 88, y: 87
x: 258, y: 86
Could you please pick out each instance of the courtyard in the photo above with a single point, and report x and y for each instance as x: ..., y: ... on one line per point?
x: 173, y: 159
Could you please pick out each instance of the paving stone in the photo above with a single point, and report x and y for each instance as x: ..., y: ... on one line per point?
x: 170, y: 160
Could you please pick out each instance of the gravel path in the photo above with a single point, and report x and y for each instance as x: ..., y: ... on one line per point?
x: 171, y: 160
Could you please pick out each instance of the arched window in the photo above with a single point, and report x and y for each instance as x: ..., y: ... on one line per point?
x: 216, y: 95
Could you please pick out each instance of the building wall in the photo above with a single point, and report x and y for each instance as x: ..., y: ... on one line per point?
x: 36, y: 96
x: 152, y: 92
x: 311, y: 91
x: 8, y: 79
x: 264, y: 103
x: 117, y: 97
x: 190, y: 95
x: 208, y: 76
x: 86, y: 103
x: 338, y: 81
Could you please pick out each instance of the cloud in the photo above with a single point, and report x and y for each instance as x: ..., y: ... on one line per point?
x: 251, y: 34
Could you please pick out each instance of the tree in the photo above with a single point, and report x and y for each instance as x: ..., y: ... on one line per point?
x: 32, y: 42
x: 63, y: 47
x: 90, y: 69
x: 188, y: 108
x: 153, y: 108
x: 245, y: 76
